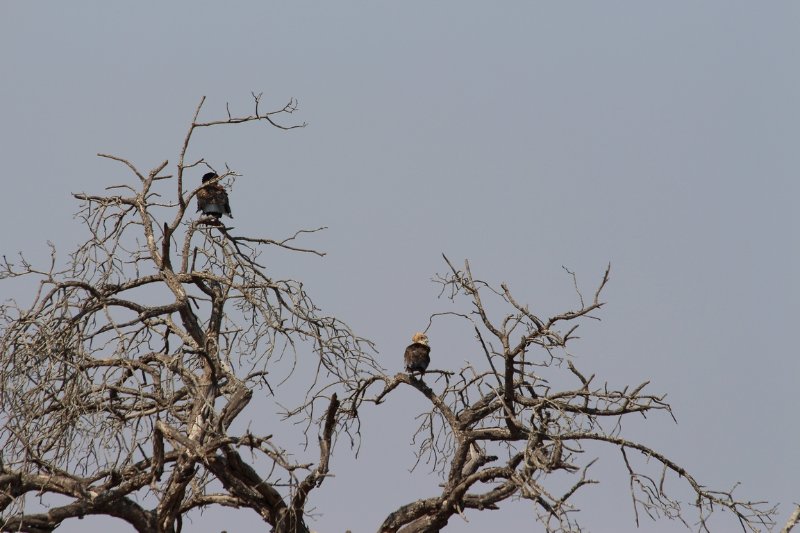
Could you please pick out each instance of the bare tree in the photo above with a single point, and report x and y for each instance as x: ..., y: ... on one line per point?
x: 125, y: 384
x: 500, y: 428
x: 121, y: 382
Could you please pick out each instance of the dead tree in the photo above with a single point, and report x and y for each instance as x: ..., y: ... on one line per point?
x: 121, y: 382
x: 501, y: 427
x: 125, y: 383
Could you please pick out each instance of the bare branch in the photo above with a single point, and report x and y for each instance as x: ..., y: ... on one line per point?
x: 793, y: 520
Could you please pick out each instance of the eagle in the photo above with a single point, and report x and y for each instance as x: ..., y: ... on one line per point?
x: 418, y: 354
x: 212, y: 199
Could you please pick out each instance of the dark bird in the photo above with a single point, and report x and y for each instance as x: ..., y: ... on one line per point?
x: 418, y: 354
x: 212, y: 199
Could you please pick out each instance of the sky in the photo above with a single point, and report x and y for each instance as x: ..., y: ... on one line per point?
x: 661, y: 138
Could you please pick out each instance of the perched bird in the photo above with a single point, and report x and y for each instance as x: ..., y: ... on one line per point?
x: 212, y: 199
x: 418, y: 354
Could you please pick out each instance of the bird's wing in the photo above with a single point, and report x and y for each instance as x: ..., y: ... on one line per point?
x: 202, y: 199
x: 425, y: 355
x: 408, y: 357
x: 228, y: 206
x: 417, y: 356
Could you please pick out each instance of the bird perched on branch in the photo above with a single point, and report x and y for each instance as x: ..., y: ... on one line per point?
x: 212, y: 199
x: 418, y: 354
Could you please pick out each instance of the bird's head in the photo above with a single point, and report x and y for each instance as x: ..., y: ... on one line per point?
x: 420, y: 338
x: 208, y: 176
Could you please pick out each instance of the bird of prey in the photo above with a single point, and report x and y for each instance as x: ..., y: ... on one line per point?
x: 418, y: 354
x: 212, y: 199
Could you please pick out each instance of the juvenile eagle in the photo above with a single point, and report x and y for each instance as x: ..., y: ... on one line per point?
x: 212, y: 199
x: 418, y: 354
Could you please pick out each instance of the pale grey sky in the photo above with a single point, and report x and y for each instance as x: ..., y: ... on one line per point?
x: 661, y: 137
